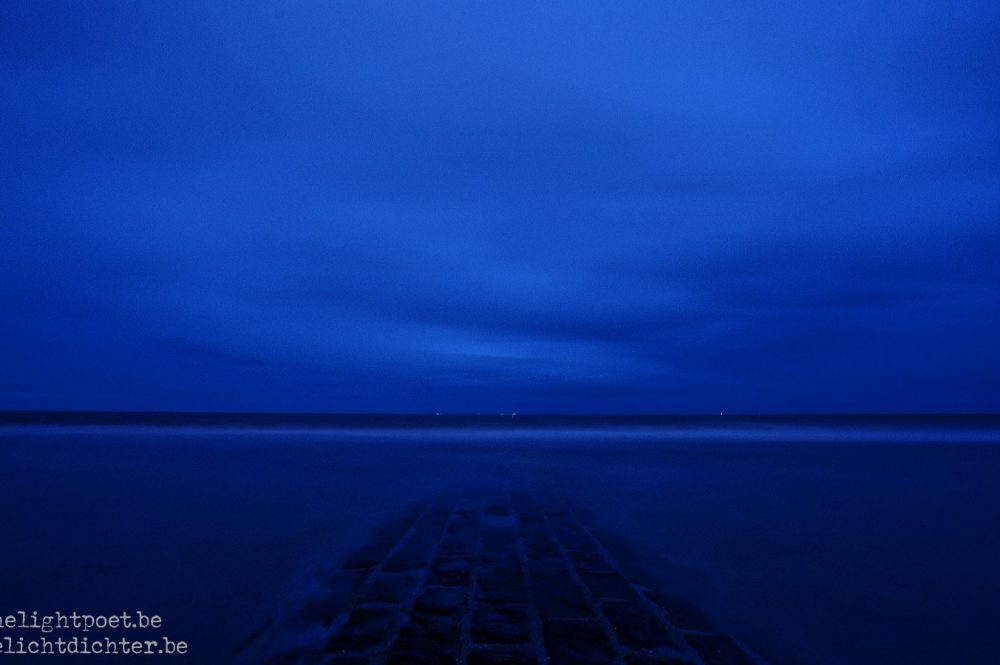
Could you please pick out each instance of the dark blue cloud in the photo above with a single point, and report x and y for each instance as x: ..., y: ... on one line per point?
x: 569, y: 207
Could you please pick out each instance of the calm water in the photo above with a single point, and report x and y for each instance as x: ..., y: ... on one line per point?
x: 816, y: 542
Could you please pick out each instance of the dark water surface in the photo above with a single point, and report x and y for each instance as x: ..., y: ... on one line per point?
x: 816, y: 541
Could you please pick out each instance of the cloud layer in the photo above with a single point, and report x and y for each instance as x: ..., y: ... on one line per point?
x: 534, y: 207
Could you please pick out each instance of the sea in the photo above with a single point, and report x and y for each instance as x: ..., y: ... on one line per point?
x: 823, y: 540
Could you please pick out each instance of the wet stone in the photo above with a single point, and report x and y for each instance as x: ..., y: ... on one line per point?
x: 465, y: 583
x: 501, y: 594
x: 463, y: 527
x: 540, y: 543
x: 493, y: 564
x: 412, y: 557
x: 559, y: 516
x: 577, y: 643
x: 718, y: 650
x: 500, y: 657
x: 537, y: 537
x: 372, y: 554
x: 364, y: 561
x: 436, y: 517
x: 427, y: 643
x: 636, y: 626
x: 466, y: 512
x: 682, y: 613
x: 531, y: 530
x: 502, y: 568
x: 530, y: 517
x: 385, y: 538
x: 366, y: 628
x: 591, y: 561
x: 341, y: 579
x: 501, y: 585
x: 446, y: 629
x: 578, y: 542
x: 608, y: 585
x: 528, y: 510
x: 499, y: 509
x: 419, y: 658
x: 541, y: 550
x: 507, y: 554
x: 551, y: 573
x: 567, y: 526
x: 457, y: 546
x: 642, y: 658
x: 450, y: 571
x: 500, y: 541
x: 392, y: 588
x: 563, y: 604
x: 440, y: 602
x: 500, y: 624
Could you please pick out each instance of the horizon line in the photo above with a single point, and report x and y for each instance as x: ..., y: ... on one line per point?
x: 481, y: 414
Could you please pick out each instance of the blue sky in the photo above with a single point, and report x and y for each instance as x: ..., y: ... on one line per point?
x: 533, y: 207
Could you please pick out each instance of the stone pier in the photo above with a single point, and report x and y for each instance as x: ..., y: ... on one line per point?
x: 488, y: 580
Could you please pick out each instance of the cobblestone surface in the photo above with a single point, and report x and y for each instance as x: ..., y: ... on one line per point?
x: 488, y: 580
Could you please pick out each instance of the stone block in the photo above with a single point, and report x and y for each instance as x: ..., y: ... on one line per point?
x: 636, y: 626
x: 500, y: 624
x: 365, y: 629
x: 577, y: 643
